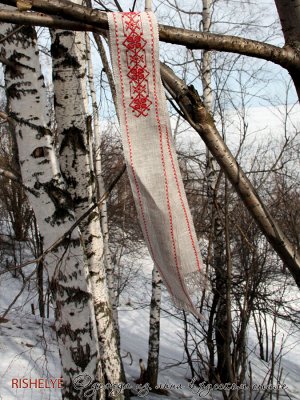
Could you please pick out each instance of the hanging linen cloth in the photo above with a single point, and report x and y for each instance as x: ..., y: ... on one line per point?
x: 152, y: 164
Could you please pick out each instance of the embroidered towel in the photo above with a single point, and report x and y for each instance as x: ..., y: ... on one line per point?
x: 152, y: 164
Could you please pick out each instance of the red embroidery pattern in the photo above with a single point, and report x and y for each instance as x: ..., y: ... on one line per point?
x: 136, y: 62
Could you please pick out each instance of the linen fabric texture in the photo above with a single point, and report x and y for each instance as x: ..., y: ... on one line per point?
x: 150, y: 156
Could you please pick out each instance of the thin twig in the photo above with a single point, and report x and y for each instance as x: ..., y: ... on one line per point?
x: 18, y: 295
x: 133, y: 7
x: 118, y: 5
x: 106, y: 67
x: 11, y: 33
x: 100, y: 3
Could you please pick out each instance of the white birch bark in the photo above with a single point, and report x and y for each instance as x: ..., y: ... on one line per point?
x: 222, y: 320
x: 211, y: 178
x: 154, y: 331
x: 68, y: 275
x: 69, y: 56
x: 101, y: 189
x: 206, y: 77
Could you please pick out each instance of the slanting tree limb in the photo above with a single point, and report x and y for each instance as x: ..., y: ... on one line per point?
x: 10, y: 175
x: 85, y: 18
x: 198, y: 117
x: 68, y: 10
x: 3, y: 115
x: 106, y: 67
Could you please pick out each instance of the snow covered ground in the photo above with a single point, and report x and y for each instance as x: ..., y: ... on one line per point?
x: 28, y: 348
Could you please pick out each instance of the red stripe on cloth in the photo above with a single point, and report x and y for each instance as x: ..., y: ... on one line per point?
x: 188, y: 223
x: 131, y: 159
x: 163, y: 163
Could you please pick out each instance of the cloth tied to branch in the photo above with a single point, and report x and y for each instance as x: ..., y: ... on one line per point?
x: 152, y: 164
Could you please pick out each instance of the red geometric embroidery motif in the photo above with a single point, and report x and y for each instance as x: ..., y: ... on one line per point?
x: 136, y: 62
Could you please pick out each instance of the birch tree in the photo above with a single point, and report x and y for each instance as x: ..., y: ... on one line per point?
x: 189, y: 103
x: 154, y: 331
x: 100, y: 181
x: 222, y: 322
x: 53, y: 207
x: 68, y: 52
x: 76, y: 17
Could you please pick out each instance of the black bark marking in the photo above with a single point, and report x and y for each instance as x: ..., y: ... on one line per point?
x: 62, y: 55
x: 70, y: 180
x: 62, y: 277
x: 16, y: 90
x: 76, y: 296
x: 40, y: 152
x: 61, y: 199
x: 73, y: 138
x: 41, y: 130
x: 81, y: 354
x: 66, y: 331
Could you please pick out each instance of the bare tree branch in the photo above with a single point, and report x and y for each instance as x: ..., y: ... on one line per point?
x: 196, y: 114
x: 18, y: 295
x: 11, y: 34
x: 118, y: 5
x: 10, y: 175
x: 106, y: 67
x: 49, y: 21
x: 68, y: 15
x: 133, y: 6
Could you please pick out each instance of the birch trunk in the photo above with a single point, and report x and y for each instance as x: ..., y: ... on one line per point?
x: 222, y: 319
x: 69, y: 56
x: 101, y: 190
x: 68, y: 275
x: 154, y: 331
